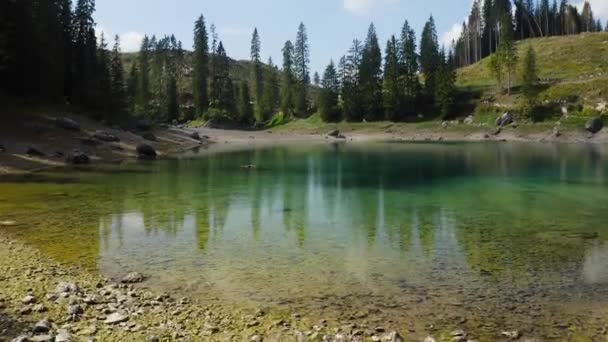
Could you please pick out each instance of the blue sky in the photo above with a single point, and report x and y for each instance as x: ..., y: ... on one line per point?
x: 331, y: 24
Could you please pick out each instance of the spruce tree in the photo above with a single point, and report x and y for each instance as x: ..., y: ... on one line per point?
x: 119, y: 102
x: 507, y: 50
x: 445, y: 88
x: 301, y: 68
x: 144, y: 76
x: 529, y: 78
x: 288, y: 79
x: 352, y: 103
x: 103, y: 90
x: 270, y: 95
x: 429, y: 56
x: 316, y: 79
x: 370, y: 75
x: 328, y: 104
x: 244, y: 105
x: 408, y: 64
x: 201, y: 67
x: 393, y: 93
x: 257, y: 82
x: 132, y: 88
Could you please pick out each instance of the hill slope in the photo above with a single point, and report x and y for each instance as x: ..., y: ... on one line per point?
x: 572, y: 69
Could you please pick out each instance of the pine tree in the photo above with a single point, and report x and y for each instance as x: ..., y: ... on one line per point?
x: 118, y: 99
x: 370, y: 75
x: 244, y: 106
x: 429, y: 56
x: 222, y: 90
x: 445, y: 86
x: 103, y: 90
x: 288, y: 79
x: 257, y: 82
x: 270, y: 96
x: 132, y: 87
x: 201, y: 67
x: 85, y: 55
x: 301, y: 69
x: 352, y: 104
x: 144, y: 76
x: 316, y: 79
x: 393, y: 93
x: 408, y: 63
x: 529, y: 78
x: 330, y: 92
x: 507, y: 50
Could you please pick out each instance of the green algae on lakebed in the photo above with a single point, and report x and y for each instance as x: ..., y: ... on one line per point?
x: 484, y: 237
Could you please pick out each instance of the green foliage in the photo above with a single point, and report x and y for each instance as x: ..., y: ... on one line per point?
x: 201, y: 66
x: 393, y: 93
x: 408, y: 64
x: 244, y: 106
x: 222, y: 90
x: 370, y: 77
x: 352, y: 104
x: 288, y: 79
x: 445, y: 79
x: 118, y: 95
x: 328, y: 104
x: 429, y: 55
x: 302, y: 73
x: 529, y: 78
x: 257, y: 83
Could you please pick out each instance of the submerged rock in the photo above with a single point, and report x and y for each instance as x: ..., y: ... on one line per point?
x: 33, y: 151
x: 334, y: 133
x: 146, y: 152
x: 78, y: 157
x: 67, y: 123
x: 133, y: 278
x: 594, y: 125
x: 149, y: 136
x: 195, y: 136
x: 105, y: 136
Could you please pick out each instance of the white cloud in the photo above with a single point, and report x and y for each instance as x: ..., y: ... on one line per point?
x: 129, y: 41
x: 452, y: 35
x: 364, y: 6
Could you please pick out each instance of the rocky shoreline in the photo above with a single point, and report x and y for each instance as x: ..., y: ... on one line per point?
x: 41, y: 300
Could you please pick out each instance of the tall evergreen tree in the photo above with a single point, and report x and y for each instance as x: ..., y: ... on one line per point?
x: 288, y: 79
x: 200, y: 60
x: 301, y: 69
x: 408, y: 63
x: 429, y: 55
x: 352, y: 103
x: 144, y: 76
x: 118, y: 99
x: 270, y: 95
x: 393, y: 93
x: 370, y: 75
x: 316, y: 79
x: 222, y: 90
x: 330, y: 92
x: 103, y: 89
x: 529, y: 78
x: 257, y: 82
x: 244, y: 105
x: 445, y: 88
x: 85, y: 54
x: 132, y: 88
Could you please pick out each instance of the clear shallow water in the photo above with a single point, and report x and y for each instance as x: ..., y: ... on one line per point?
x: 486, y: 237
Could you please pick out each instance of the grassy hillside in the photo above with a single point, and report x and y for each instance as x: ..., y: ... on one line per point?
x: 573, y: 72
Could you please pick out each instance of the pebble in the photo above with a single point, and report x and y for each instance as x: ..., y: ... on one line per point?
x: 116, y: 318
x: 39, y: 308
x: 42, y: 338
x: 133, y: 278
x: 26, y: 310
x: 41, y: 327
x: 256, y: 338
x: 63, y: 336
x: 29, y: 299
x: 75, y: 310
x: 514, y: 335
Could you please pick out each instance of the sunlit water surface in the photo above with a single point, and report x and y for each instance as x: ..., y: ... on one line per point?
x: 482, y: 236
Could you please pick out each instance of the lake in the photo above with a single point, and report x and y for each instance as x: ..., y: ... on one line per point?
x: 420, y: 236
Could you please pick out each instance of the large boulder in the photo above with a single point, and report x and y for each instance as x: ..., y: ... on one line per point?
x: 78, y: 157
x: 105, y: 136
x: 143, y: 125
x: 34, y: 151
x: 505, y: 119
x: 149, y: 136
x: 67, y: 123
x: 146, y: 152
x: 334, y: 133
x: 195, y: 136
x: 594, y: 125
